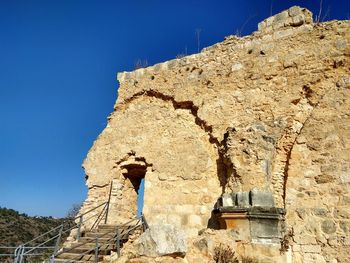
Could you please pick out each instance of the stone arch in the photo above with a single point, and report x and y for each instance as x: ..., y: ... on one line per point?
x: 181, y: 159
x: 224, y: 168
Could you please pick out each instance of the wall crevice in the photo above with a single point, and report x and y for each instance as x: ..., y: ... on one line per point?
x: 98, y: 186
x: 289, y: 152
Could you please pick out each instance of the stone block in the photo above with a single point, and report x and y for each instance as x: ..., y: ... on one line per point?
x: 203, y: 210
x: 345, y: 226
x: 227, y: 199
x: 156, y: 219
x: 321, y: 212
x: 269, y: 21
x: 296, y: 248
x: 297, y: 20
x: 242, y: 199
x: 174, y: 219
x: 345, y: 178
x: 344, y: 82
x: 261, y: 198
x: 312, y: 258
x: 205, y: 245
x: 160, y: 240
x: 341, y: 44
x: 278, y: 25
x: 265, y: 228
x: 194, y: 220
x: 267, y: 38
x: 311, y: 248
x: 236, y: 66
x: 328, y: 227
x: 303, y: 29
x: 185, y: 209
x: 295, y: 10
x: 280, y: 17
x: 345, y: 241
x: 342, y: 213
x: 283, y: 33
x: 261, y: 25
x: 238, y: 222
x: 304, y: 239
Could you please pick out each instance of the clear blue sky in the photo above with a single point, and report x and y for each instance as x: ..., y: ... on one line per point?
x: 58, y: 62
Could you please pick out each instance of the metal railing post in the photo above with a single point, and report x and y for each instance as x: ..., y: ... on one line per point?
x: 57, y: 245
x: 79, y: 227
x: 117, y: 242
x: 109, y: 199
x: 16, y: 254
x: 21, y: 254
x: 96, y: 251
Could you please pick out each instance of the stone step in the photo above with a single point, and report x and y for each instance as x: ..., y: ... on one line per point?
x: 105, y: 234
x: 93, y: 235
x: 104, y: 249
x: 112, y: 227
x: 101, y: 240
x: 104, y: 231
x: 77, y: 257
x: 106, y: 226
x: 67, y: 261
x: 99, y: 234
x: 62, y: 260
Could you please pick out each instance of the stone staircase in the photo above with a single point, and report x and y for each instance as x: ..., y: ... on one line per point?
x: 95, y: 244
x: 92, y: 245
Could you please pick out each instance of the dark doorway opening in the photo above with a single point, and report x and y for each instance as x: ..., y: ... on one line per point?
x: 135, y: 173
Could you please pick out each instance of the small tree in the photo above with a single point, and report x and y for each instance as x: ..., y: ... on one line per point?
x: 74, y: 210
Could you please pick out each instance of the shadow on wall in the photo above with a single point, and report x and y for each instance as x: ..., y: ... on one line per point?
x: 213, y: 222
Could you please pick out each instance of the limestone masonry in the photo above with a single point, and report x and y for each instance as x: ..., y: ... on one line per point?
x: 261, y: 122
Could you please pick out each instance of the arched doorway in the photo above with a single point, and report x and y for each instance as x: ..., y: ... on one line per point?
x: 134, y: 172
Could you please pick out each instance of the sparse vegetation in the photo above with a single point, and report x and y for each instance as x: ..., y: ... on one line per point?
x: 286, y: 241
x: 198, y: 33
x: 17, y: 228
x: 224, y: 254
x: 140, y: 64
x: 238, y: 32
x: 180, y: 56
x: 74, y: 210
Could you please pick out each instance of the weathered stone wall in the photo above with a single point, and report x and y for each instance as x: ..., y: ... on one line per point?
x: 268, y: 111
x: 181, y: 182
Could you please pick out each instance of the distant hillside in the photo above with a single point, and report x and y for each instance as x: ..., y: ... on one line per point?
x: 16, y: 228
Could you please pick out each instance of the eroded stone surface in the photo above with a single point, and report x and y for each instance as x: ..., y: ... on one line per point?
x: 162, y: 240
x: 268, y: 111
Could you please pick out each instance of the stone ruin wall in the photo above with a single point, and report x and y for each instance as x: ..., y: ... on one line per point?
x: 269, y: 111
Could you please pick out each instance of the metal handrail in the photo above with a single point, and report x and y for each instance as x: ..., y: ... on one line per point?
x: 98, y: 219
x: 12, y: 254
x: 24, y: 250
x: 59, y: 226
x: 60, y: 234
x: 116, y: 237
x: 46, y: 233
x: 92, y: 238
x: 92, y: 209
x: 108, y: 202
